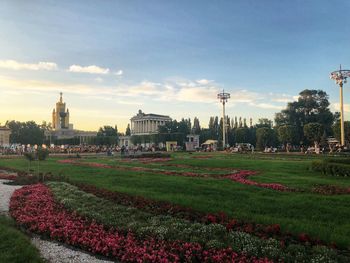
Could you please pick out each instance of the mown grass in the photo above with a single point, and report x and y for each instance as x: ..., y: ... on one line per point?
x: 324, y: 217
x: 14, y: 245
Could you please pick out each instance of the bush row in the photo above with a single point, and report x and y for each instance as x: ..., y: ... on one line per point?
x: 331, y: 167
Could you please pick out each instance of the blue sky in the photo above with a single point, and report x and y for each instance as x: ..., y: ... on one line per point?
x: 111, y: 58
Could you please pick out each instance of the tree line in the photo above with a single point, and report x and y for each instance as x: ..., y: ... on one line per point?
x: 306, y: 121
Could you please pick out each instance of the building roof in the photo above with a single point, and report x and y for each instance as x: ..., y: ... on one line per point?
x: 3, y: 128
x: 142, y: 115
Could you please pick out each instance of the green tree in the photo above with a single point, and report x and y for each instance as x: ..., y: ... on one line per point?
x: 313, y: 132
x: 264, y: 122
x: 336, y: 131
x: 312, y: 106
x: 128, y: 131
x: 265, y: 137
x: 242, y: 135
x: 107, y: 135
x: 25, y: 132
x: 287, y: 134
x: 196, y: 129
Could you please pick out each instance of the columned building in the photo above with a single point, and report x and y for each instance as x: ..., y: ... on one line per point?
x: 145, y: 124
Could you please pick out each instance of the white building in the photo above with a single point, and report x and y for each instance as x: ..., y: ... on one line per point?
x: 145, y: 124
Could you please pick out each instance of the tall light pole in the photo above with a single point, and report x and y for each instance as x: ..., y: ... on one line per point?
x: 340, y: 77
x: 223, y: 96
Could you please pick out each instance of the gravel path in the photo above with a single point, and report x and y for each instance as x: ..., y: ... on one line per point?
x: 51, y: 251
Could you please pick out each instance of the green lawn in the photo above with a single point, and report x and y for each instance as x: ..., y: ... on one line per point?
x: 325, y: 217
x: 14, y: 245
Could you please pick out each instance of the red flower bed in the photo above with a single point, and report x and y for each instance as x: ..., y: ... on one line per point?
x: 34, y: 208
x: 7, y: 176
x: 242, y: 175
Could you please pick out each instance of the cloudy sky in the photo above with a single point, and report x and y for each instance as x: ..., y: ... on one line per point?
x: 112, y: 58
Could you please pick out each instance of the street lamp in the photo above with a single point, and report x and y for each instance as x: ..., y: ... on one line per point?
x: 223, y: 96
x: 340, y: 77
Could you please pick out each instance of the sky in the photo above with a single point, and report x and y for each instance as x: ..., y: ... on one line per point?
x: 112, y: 58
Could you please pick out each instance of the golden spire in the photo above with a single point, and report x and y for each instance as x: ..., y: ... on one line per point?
x: 61, y: 96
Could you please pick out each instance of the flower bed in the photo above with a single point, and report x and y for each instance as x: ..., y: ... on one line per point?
x: 34, y: 208
x: 242, y: 175
x: 165, y: 227
x: 7, y: 176
x: 166, y: 208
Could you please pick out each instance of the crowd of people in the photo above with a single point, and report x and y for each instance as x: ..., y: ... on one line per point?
x: 78, y: 149
x: 125, y: 150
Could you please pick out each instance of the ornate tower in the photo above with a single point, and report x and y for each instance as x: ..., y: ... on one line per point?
x: 60, y: 117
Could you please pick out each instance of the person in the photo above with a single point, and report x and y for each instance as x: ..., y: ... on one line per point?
x: 122, y: 150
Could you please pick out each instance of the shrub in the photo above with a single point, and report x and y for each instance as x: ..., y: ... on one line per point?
x: 332, y: 167
x: 42, y: 154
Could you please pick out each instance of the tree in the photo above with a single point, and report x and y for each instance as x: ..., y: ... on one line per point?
x: 128, y: 131
x: 287, y: 134
x: 336, y: 130
x: 264, y: 122
x: 313, y: 131
x: 175, y: 131
x: 196, y: 129
x: 107, y: 135
x: 25, y: 132
x: 312, y: 106
x: 214, y: 127
x: 242, y: 135
x: 265, y: 137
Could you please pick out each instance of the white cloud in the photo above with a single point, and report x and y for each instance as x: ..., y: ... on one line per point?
x: 267, y: 106
x: 15, y: 65
x: 31, y: 86
x: 119, y: 73
x: 335, y: 106
x: 146, y: 92
x: 92, y: 69
x: 204, y: 81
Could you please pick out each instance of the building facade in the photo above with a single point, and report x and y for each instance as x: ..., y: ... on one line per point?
x: 62, y: 129
x: 146, y: 124
x: 5, y: 136
x: 60, y: 116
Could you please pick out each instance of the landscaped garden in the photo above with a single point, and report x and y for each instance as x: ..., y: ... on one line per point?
x: 207, y: 207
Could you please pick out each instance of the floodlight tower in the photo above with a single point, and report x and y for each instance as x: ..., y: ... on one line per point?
x: 223, y: 96
x: 340, y: 77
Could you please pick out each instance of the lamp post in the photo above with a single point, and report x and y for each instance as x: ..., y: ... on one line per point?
x: 223, y: 96
x: 340, y: 77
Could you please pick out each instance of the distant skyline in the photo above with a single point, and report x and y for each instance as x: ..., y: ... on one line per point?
x: 112, y: 58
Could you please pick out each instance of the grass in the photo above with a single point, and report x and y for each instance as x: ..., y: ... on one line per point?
x: 324, y: 217
x: 14, y: 245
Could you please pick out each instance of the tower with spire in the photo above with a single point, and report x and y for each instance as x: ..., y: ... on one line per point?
x: 60, y: 117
